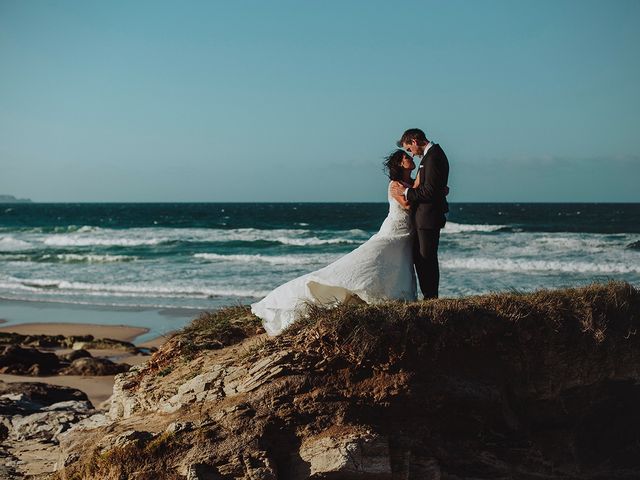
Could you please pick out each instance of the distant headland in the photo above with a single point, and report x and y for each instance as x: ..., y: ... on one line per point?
x: 12, y: 199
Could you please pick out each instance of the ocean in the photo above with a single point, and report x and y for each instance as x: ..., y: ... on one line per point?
x: 204, y: 256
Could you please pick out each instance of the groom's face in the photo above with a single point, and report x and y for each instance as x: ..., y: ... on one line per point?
x: 413, y: 148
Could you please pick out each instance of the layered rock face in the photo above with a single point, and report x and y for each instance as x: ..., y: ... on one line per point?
x: 543, y: 385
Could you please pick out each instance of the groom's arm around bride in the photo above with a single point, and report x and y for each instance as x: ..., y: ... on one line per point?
x: 432, y: 190
x: 429, y: 204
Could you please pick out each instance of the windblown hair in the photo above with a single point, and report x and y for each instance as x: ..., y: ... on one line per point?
x: 392, y: 164
x: 412, y: 134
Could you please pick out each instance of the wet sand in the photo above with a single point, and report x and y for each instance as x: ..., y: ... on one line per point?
x: 97, y: 388
x: 117, y: 332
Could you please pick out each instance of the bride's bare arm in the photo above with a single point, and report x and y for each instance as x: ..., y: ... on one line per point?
x: 400, y: 198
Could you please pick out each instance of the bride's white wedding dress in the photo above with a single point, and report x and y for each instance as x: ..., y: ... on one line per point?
x: 380, y: 269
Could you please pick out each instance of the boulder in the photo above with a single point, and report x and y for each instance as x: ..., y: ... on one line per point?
x: 105, y: 343
x: 634, y: 245
x: 42, y: 341
x: 18, y: 360
x: 39, y: 411
x: 49, y: 422
x: 351, y: 455
x: 29, y: 397
x: 94, y: 366
x: 75, y: 354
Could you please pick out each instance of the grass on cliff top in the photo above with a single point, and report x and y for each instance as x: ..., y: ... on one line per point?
x: 368, y: 332
x: 224, y: 327
x: 379, y: 333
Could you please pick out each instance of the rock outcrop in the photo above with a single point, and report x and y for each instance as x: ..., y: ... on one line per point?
x: 12, y: 199
x: 634, y: 245
x: 542, y: 385
x: 35, y: 355
x: 75, y: 342
x: 17, y: 360
x: 93, y: 366
x: 32, y: 416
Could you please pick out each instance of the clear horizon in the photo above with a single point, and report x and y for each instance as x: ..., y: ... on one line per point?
x: 296, y: 202
x: 155, y: 102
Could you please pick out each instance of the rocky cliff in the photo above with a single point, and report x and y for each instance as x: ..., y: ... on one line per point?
x: 525, y: 386
x: 12, y: 199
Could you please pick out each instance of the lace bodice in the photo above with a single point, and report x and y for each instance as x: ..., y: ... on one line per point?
x: 398, y: 221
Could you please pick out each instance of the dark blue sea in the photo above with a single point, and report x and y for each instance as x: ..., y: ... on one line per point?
x: 202, y: 256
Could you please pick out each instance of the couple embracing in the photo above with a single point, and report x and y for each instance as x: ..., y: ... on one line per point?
x: 382, y: 268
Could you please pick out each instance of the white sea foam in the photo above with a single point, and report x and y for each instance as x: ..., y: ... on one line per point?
x: 155, y: 236
x: 270, y: 259
x: 97, y: 303
x: 11, y: 244
x: 525, y: 265
x: 452, y: 227
x: 68, y: 258
x: 177, y: 290
x: 78, y: 258
x: 285, y: 236
x: 300, y: 242
x: 89, y: 241
x: 591, y: 243
x: 86, y: 228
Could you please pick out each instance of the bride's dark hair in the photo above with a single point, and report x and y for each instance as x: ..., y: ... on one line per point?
x: 392, y: 164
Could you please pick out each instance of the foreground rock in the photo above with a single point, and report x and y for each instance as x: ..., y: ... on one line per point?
x: 17, y: 360
x: 32, y: 417
x: 73, y: 341
x: 634, y: 245
x: 533, y: 386
x: 40, y: 411
x: 94, y: 366
x: 34, y: 396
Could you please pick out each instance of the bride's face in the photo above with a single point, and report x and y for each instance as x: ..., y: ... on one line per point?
x: 407, y: 163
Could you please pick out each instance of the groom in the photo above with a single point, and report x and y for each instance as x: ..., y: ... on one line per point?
x: 428, y: 205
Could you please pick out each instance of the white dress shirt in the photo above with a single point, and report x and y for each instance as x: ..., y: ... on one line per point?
x: 426, y: 149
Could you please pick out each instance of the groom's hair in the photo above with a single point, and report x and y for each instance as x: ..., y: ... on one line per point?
x: 412, y: 134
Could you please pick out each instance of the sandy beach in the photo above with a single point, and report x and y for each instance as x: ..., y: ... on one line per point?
x: 97, y: 388
x: 117, y: 332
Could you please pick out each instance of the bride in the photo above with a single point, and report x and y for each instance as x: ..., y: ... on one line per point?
x: 380, y: 269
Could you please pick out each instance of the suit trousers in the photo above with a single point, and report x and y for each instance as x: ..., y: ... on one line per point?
x: 425, y: 259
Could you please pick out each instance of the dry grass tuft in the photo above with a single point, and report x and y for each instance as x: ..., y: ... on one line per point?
x: 219, y: 329
x: 209, y: 331
x: 393, y: 331
x: 140, y: 460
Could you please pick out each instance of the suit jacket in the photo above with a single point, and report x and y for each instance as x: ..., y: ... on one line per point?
x: 429, y: 201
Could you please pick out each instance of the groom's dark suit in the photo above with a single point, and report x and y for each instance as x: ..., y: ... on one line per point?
x: 428, y: 206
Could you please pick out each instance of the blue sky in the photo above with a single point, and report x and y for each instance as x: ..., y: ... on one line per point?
x: 299, y: 101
